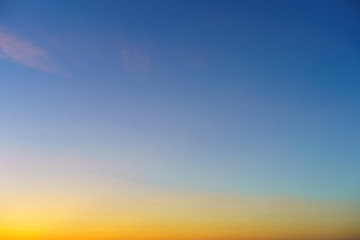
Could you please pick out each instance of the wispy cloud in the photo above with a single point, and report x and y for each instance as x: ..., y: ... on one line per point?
x: 24, y: 52
x: 15, y: 160
x: 133, y: 58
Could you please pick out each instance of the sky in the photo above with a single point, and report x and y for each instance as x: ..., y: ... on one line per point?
x: 188, y: 120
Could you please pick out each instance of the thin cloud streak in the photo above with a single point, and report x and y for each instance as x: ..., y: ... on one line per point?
x: 133, y: 59
x: 17, y: 161
x: 24, y: 52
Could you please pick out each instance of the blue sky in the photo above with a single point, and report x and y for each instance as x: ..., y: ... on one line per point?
x: 249, y: 97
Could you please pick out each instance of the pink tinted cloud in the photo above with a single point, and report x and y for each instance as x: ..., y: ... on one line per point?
x: 18, y: 159
x: 24, y: 52
x: 133, y: 58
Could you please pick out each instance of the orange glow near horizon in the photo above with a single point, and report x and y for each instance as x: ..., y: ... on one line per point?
x: 139, y: 212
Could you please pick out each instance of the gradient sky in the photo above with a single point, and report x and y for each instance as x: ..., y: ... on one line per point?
x: 191, y: 120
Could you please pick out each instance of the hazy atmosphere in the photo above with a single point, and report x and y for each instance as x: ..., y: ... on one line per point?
x: 179, y: 120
